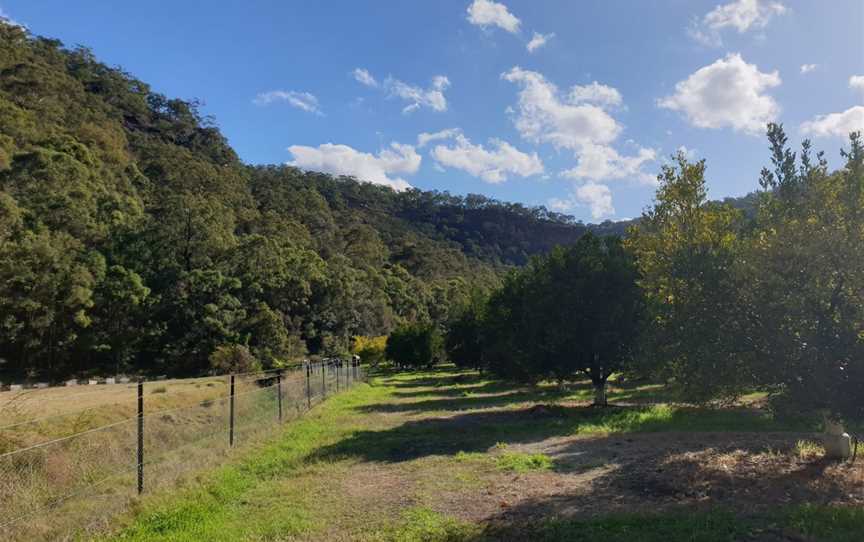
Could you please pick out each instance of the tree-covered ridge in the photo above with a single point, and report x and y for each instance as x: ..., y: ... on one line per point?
x: 132, y: 238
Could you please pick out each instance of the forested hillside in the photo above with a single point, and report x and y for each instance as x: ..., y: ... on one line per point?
x: 133, y: 239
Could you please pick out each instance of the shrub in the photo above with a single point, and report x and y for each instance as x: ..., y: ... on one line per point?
x: 233, y: 358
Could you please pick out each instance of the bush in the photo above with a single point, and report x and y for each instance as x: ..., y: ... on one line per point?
x: 415, y: 346
x: 371, y: 350
x: 233, y: 358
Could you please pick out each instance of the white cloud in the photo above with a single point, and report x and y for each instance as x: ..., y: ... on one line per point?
x: 596, y: 93
x: 599, y: 162
x: 486, y: 13
x: 301, y: 100
x: 417, y: 97
x: 597, y: 197
x: 577, y: 121
x: 345, y: 160
x: 807, y: 68
x: 432, y: 97
x: 836, y: 124
x: 363, y: 76
x: 426, y: 137
x: 857, y: 82
x: 543, y: 116
x: 742, y: 15
x: 493, y: 164
x: 539, y: 40
x: 728, y: 93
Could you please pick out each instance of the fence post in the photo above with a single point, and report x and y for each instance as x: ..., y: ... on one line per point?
x: 323, y: 381
x: 308, y: 386
x: 279, y: 393
x: 140, y: 436
x: 231, y: 416
x: 338, y: 367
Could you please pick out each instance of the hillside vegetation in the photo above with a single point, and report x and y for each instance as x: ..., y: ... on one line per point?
x: 133, y: 239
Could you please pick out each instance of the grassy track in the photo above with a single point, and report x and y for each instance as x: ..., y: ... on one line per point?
x: 444, y: 456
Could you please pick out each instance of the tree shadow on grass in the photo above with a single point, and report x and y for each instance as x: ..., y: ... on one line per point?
x: 479, y: 431
x: 468, y: 402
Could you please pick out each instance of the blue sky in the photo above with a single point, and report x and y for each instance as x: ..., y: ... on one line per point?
x: 580, y: 123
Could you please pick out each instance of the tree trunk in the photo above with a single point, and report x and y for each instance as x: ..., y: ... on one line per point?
x: 600, y: 394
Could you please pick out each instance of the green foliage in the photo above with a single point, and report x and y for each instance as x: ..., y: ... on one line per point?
x: 576, y: 311
x: 806, y: 288
x: 233, y: 358
x: 686, y: 248
x: 415, y: 346
x: 132, y: 239
x: 464, y: 339
x: 776, y: 303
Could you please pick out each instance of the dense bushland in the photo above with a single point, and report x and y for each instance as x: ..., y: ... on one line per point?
x: 133, y: 239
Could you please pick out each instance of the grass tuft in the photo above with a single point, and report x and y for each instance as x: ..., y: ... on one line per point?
x: 521, y: 462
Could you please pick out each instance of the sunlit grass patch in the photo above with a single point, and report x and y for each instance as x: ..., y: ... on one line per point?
x: 421, y: 524
x: 522, y: 462
x: 807, y: 450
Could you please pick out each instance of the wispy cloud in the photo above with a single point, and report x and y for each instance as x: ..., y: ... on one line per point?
x: 432, y: 97
x: 741, y: 15
x: 363, y: 76
x: 539, y: 40
x: 301, y: 100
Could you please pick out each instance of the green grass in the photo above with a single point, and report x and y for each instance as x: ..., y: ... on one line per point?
x: 420, y: 524
x: 520, y: 462
x: 290, y: 488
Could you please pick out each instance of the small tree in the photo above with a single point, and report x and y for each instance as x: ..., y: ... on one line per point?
x: 686, y: 248
x: 414, y: 346
x: 233, y: 358
x: 463, y: 341
x: 575, y: 311
x: 806, y: 270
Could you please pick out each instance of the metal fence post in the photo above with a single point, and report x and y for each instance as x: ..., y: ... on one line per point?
x: 140, y: 436
x: 231, y: 416
x: 308, y: 387
x: 338, y: 365
x: 323, y: 381
x: 279, y: 393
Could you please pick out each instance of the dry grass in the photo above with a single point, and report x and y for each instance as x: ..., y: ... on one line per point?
x: 85, y: 442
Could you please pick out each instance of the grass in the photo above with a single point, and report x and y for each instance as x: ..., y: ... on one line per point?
x: 807, y: 450
x: 522, y: 462
x: 411, y: 456
x: 185, y: 432
x: 373, y: 465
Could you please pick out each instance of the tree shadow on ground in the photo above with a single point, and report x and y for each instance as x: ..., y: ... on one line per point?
x: 469, y: 402
x: 478, y: 431
x: 480, y: 386
x: 683, y: 480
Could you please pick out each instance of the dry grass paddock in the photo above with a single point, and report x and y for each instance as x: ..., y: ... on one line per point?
x: 68, y: 455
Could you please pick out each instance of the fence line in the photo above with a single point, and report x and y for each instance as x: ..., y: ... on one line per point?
x: 284, y: 395
x: 33, y: 394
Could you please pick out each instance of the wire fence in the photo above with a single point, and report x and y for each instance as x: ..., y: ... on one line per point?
x: 64, y: 476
